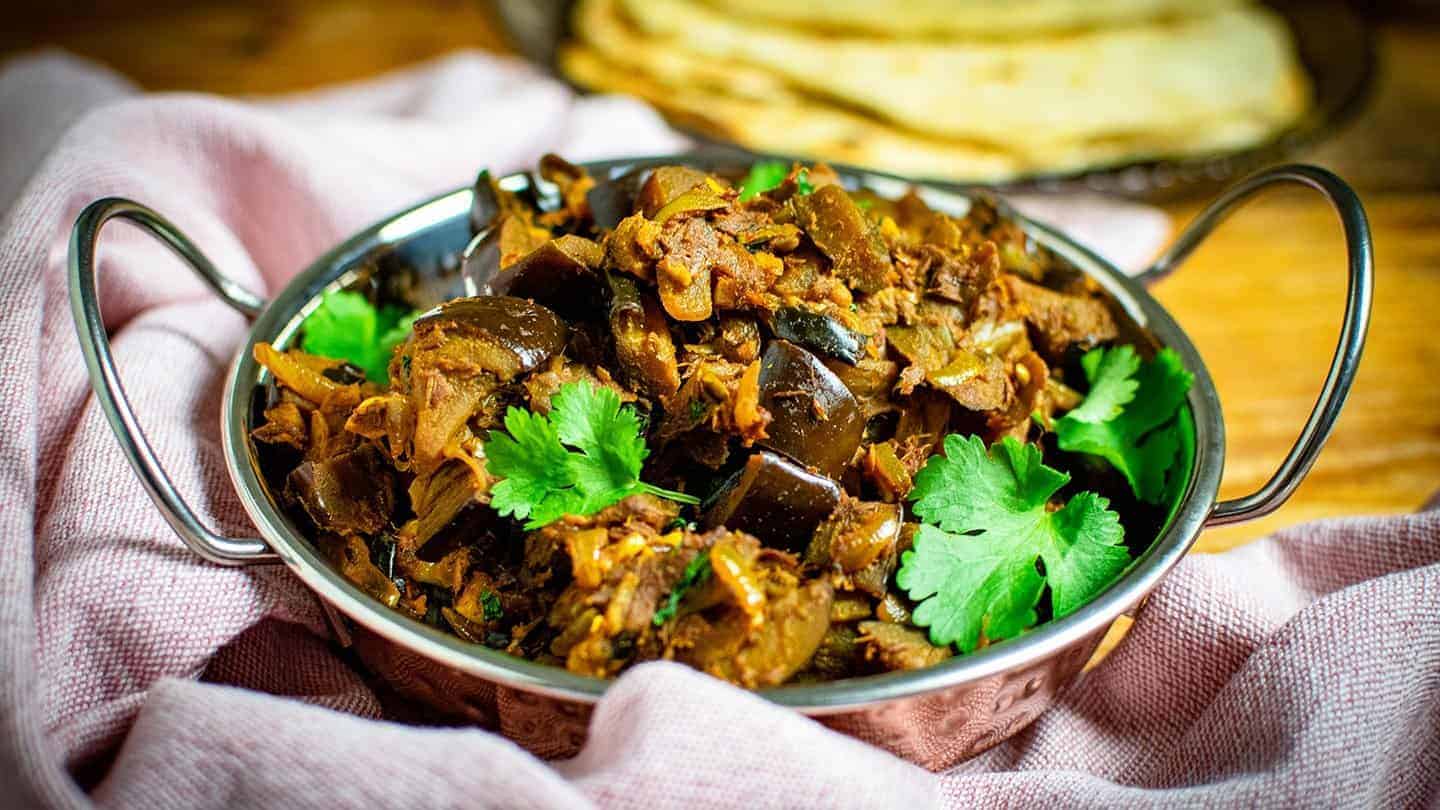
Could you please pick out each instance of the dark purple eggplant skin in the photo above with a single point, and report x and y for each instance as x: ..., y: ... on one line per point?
x: 559, y: 274
x: 350, y: 493
x: 818, y: 333
x: 774, y: 499
x: 815, y: 420
x: 841, y: 230
x: 664, y: 184
x: 641, y: 339
x: 532, y: 332
x: 484, y: 207
x: 613, y: 200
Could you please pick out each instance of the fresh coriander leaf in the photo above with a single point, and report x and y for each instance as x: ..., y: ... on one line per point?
x: 589, y: 417
x: 1130, y: 440
x: 966, y: 586
x: 696, y: 572
x: 763, y: 176
x: 542, y: 480
x: 558, y: 503
x: 1111, y: 373
x: 1042, y: 421
x: 959, y: 490
x: 607, y: 468
x: 532, y: 465
x: 394, y: 324
x: 1088, y: 552
x: 974, y: 571
x: 802, y: 183
x: 348, y: 327
x: 490, y: 603
x: 1179, y: 475
x: 343, y: 327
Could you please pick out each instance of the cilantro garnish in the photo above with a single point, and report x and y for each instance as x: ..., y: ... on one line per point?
x: 763, y: 176
x: 1112, y: 385
x: 802, y: 183
x: 490, y: 603
x: 1129, y: 416
x: 695, y: 573
x: 973, y: 568
x: 348, y: 327
x: 544, y: 479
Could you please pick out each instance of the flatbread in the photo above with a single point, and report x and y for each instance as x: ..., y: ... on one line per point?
x: 761, y: 110
x: 797, y: 128
x: 971, y: 19
x: 1161, y: 80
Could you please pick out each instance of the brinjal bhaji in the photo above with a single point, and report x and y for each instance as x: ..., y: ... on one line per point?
x: 773, y: 428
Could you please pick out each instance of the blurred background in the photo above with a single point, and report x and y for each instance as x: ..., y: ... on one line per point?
x: 1160, y: 100
x: 1341, y: 59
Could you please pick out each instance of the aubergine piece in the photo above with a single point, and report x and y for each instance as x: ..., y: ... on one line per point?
x: 664, y: 185
x: 449, y: 511
x: 485, y: 205
x: 795, y: 619
x: 572, y: 185
x: 615, y: 199
x: 871, y: 381
x: 643, y: 346
x: 774, y: 499
x: 843, y: 233
x: 855, y: 535
x: 560, y: 274
x: 1059, y: 320
x: 960, y: 278
x: 348, y: 493
x: 739, y: 339
x: 818, y: 333
x: 458, y: 354
x: 898, y: 647
x: 815, y: 419
x: 975, y: 381
x: 497, y: 247
x: 501, y: 334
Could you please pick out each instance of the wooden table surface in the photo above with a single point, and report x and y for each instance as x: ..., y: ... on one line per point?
x: 1262, y: 299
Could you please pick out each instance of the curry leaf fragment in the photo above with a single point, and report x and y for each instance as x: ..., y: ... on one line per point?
x: 973, y: 568
x: 543, y: 479
x: 696, y: 572
x: 1133, y: 425
x: 490, y: 604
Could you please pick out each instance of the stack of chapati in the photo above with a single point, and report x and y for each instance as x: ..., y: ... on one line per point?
x: 979, y: 90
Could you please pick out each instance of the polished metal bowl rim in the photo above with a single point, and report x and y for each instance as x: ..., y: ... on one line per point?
x: 279, y: 321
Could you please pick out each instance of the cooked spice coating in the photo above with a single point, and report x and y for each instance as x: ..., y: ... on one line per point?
x: 789, y: 361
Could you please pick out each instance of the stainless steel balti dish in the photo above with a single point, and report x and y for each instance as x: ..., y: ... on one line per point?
x: 932, y: 716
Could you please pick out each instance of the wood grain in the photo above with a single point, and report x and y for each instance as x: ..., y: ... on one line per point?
x: 1262, y: 299
x: 240, y: 47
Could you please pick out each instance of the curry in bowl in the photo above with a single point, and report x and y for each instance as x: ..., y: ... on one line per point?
x: 771, y: 427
